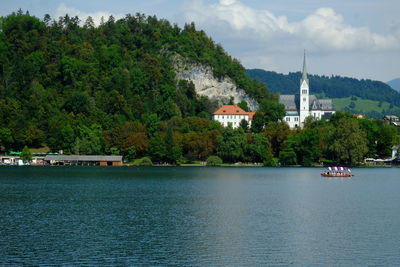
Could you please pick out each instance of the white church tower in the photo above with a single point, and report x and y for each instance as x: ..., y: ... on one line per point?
x: 304, y: 94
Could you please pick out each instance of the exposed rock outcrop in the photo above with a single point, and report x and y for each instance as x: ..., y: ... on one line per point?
x: 206, y: 84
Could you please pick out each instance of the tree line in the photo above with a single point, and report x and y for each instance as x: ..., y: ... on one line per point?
x: 112, y: 89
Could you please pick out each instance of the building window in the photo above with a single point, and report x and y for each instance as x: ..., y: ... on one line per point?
x: 304, y: 99
x: 287, y: 118
x: 304, y: 91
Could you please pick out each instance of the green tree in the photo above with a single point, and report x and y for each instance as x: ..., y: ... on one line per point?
x: 173, y: 152
x: 350, y: 143
x: 287, y: 156
x: 277, y: 132
x: 151, y: 121
x: 90, y: 141
x: 214, y: 161
x: 67, y: 137
x: 231, y: 144
x: 157, y: 148
x: 130, y: 156
x: 272, y: 110
x: 258, y: 122
x: 26, y: 154
x: 306, y: 148
x: 371, y: 129
x: 145, y: 161
x: 259, y: 148
x: 243, y: 105
x: 6, y: 138
x: 115, y: 151
x: 385, y: 140
x: 244, y: 124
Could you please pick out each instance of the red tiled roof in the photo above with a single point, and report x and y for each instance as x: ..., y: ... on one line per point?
x: 230, y: 110
x: 251, y: 115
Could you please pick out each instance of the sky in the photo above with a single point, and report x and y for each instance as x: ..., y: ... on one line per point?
x: 353, y: 38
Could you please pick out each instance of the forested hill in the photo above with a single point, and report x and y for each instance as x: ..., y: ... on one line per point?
x: 70, y: 85
x: 332, y: 87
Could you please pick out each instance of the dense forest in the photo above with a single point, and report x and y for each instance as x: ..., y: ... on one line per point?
x: 331, y: 87
x: 69, y: 85
x: 112, y: 89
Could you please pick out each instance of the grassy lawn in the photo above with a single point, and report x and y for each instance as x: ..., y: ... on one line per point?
x: 362, y: 105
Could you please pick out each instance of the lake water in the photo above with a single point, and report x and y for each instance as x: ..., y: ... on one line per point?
x: 171, y: 216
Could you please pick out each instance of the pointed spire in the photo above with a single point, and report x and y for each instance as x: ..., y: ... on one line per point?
x: 304, y: 77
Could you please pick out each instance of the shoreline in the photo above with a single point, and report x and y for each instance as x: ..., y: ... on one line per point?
x: 229, y: 165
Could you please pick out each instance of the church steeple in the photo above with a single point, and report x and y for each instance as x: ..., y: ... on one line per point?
x: 304, y: 94
x: 304, y: 77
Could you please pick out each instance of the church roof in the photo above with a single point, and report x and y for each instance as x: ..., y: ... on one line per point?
x: 289, y: 101
x: 326, y: 104
x: 292, y: 102
x: 320, y: 104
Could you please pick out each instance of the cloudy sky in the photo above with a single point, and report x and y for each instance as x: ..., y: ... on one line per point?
x: 356, y: 38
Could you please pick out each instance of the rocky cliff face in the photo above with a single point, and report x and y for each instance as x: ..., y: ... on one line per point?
x: 207, y: 85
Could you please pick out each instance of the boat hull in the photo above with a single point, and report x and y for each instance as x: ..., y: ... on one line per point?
x: 342, y: 175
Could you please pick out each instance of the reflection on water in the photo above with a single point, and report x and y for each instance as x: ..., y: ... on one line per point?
x: 197, y: 216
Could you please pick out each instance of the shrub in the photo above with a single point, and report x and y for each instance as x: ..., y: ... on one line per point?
x: 213, y: 161
x: 145, y: 161
x: 287, y: 157
x: 270, y: 161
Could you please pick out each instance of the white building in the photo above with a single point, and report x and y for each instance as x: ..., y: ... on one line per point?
x: 299, y: 107
x: 231, y: 114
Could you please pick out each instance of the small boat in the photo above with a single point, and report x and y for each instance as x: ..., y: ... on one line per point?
x: 337, y: 172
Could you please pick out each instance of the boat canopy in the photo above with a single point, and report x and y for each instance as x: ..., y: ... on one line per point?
x: 339, y: 169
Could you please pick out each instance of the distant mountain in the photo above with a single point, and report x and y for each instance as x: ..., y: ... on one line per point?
x: 330, y: 87
x: 395, y: 84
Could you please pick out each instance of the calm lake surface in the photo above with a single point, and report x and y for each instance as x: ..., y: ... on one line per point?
x: 171, y: 216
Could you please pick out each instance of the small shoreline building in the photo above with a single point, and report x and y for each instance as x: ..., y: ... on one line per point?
x: 232, y: 114
x: 14, y: 158
x: 83, y: 160
x: 300, y: 106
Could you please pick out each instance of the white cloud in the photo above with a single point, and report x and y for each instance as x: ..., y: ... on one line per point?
x: 62, y: 10
x: 323, y: 30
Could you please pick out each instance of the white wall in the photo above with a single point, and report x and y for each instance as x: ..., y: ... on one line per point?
x: 233, y: 119
x: 292, y: 121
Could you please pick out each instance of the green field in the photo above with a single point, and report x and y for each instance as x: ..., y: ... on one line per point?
x: 365, y: 106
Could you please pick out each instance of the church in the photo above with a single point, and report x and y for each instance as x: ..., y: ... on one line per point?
x: 300, y: 106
